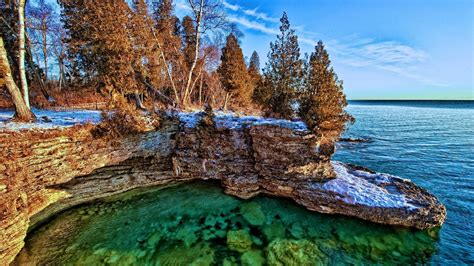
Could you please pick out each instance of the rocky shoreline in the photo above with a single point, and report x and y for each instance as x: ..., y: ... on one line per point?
x: 249, y: 155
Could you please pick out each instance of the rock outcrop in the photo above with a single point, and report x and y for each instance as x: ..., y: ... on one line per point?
x: 43, y: 173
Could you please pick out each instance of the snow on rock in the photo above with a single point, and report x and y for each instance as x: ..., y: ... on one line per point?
x: 360, y: 187
x: 48, y: 119
x: 231, y: 120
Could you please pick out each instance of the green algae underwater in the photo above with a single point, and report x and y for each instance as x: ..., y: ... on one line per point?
x: 197, y: 224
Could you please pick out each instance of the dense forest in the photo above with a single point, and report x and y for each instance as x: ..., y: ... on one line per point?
x: 138, y: 56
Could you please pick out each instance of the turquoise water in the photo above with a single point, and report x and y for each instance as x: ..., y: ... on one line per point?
x: 430, y: 143
x: 196, y: 224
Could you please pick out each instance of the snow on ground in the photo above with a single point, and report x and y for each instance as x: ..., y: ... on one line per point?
x: 360, y: 187
x: 48, y: 119
x: 233, y: 121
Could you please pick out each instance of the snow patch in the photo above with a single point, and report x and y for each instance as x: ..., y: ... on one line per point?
x: 360, y: 187
x: 231, y: 120
x: 49, y: 119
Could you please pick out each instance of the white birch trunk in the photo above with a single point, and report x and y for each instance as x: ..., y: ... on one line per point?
x: 22, y: 112
x: 196, y: 50
x: 21, y: 48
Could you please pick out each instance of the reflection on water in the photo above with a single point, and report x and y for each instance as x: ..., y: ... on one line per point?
x: 197, y: 224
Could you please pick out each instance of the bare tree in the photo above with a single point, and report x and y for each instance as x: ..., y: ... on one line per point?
x: 21, y: 49
x: 40, y: 23
x: 22, y: 111
x: 207, y: 15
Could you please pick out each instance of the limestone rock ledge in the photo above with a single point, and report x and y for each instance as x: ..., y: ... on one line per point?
x: 43, y: 173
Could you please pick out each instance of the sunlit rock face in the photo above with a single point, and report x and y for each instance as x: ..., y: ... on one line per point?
x: 49, y: 172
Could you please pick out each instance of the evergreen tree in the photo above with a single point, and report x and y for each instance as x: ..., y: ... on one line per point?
x: 254, y: 72
x: 283, y: 73
x: 254, y: 65
x: 166, y: 22
x: 98, y: 42
x: 322, y: 101
x: 168, y: 31
x: 233, y: 73
x: 189, y: 40
x: 147, y: 68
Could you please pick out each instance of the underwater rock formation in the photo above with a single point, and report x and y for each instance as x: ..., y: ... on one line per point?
x: 294, y: 252
x: 43, y: 173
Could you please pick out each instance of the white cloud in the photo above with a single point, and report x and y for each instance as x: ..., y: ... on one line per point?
x: 253, y: 25
x: 391, y: 56
x: 353, y: 50
x: 250, y: 12
x: 231, y: 7
x: 182, y: 5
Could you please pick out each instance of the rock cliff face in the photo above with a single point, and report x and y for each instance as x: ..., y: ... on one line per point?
x: 44, y: 173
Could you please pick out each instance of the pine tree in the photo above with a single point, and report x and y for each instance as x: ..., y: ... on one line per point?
x: 322, y: 101
x: 169, y: 40
x: 168, y: 32
x: 189, y: 40
x: 148, y: 71
x: 167, y: 24
x: 254, y: 65
x: 98, y: 42
x: 233, y: 72
x: 254, y: 72
x: 283, y: 73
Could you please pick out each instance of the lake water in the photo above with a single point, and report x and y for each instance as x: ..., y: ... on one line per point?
x: 430, y: 143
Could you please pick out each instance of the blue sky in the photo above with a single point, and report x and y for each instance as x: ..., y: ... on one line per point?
x: 404, y: 49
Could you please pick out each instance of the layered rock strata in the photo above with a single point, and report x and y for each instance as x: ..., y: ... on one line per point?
x: 43, y: 173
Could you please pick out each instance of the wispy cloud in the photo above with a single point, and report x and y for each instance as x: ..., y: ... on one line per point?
x: 252, y: 25
x: 182, y: 5
x: 231, y: 7
x: 355, y: 51
x: 391, y: 56
x: 250, y: 12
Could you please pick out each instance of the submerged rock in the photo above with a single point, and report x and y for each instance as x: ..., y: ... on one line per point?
x: 252, y: 212
x: 294, y: 252
x: 274, y: 230
x: 252, y: 258
x: 200, y: 255
x: 239, y: 240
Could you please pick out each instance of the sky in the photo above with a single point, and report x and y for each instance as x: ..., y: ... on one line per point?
x: 381, y: 49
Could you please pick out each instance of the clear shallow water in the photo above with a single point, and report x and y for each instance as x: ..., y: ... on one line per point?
x: 197, y: 224
x: 430, y: 143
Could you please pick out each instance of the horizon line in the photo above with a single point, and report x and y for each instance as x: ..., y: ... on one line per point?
x: 470, y: 99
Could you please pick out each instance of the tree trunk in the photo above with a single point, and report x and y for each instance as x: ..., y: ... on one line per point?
x: 45, y: 52
x: 200, y: 92
x: 61, y: 70
x: 138, y: 101
x: 196, y: 52
x: 168, y: 71
x: 29, y: 58
x: 21, y: 48
x: 226, y: 100
x: 22, y: 112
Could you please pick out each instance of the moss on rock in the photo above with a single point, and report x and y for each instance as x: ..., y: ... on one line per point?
x: 239, y: 240
x: 294, y: 252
